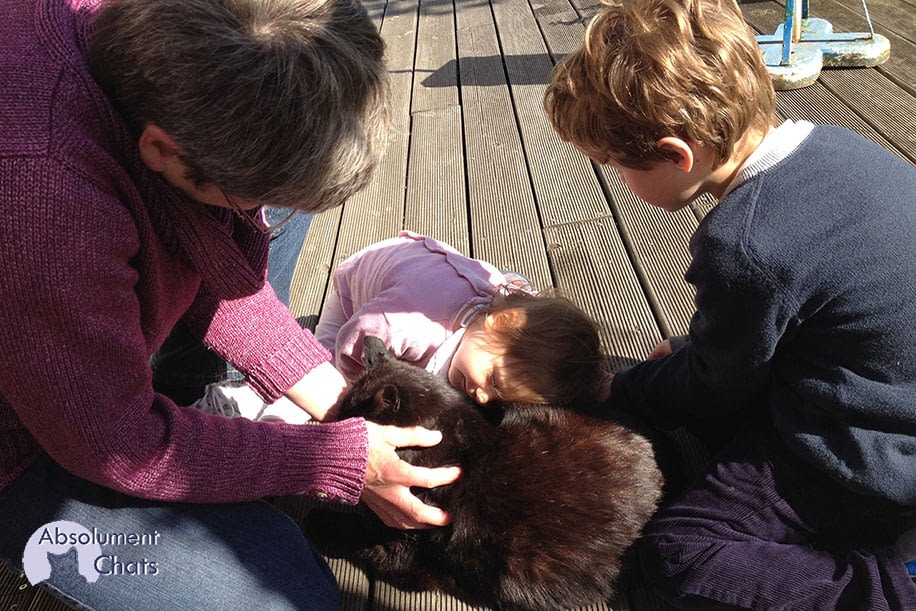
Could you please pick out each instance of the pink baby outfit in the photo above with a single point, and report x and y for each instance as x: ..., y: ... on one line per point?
x: 414, y: 293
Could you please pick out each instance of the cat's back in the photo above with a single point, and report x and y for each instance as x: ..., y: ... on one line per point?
x: 566, y: 469
x: 560, y: 494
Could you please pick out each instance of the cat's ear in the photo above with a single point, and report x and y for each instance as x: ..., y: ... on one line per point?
x: 388, y: 399
x: 374, y: 351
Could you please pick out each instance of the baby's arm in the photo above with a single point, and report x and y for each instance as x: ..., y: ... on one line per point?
x: 332, y: 318
x: 372, y: 319
x: 408, y: 335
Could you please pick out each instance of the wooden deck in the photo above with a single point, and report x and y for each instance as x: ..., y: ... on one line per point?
x: 473, y: 162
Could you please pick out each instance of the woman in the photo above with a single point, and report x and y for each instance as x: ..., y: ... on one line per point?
x: 138, y: 141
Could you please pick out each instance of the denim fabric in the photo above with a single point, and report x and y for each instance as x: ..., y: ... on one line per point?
x: 183, y: 366
x: 232, y: 556
x: 765, y: 531
x: 285, y: 245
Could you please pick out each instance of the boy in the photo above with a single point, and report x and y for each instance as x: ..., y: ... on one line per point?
x: 803, y: 334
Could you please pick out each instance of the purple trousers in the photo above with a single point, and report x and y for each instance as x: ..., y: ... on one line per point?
x: 763, y: 531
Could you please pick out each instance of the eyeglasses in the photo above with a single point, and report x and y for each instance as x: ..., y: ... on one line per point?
x: 246, y: 217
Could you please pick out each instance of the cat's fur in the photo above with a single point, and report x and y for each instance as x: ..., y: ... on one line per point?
x: 547, y: 504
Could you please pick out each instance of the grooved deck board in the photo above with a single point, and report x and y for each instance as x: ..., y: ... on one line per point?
x: 505, y: 228
x: 656, y: 242
x: 377, y: 212
x: 436, y: 189
x: 890, y: 109
x: 310, y: 283
x: 562, y: 197
x: 436, y: 192
x: 599, y: 277
x: 15, y: 592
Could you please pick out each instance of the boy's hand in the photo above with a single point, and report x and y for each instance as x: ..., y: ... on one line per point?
x: 389, y: 479
x: 604, y: 389
x: 662, y: 349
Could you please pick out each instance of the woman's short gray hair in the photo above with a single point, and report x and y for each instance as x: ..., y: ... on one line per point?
x: 276, y: 101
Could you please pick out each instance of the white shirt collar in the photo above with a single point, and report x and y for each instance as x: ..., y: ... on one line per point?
x: 776, y: 146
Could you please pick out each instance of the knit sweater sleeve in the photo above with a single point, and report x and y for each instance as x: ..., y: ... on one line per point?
x: 259, y: 336
x: 741, y: 314
x: 74, y: 366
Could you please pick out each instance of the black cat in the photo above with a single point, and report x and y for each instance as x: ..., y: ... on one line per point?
x: 548, y: 501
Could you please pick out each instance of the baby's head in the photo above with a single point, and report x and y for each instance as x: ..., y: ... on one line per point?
x: 648, y: 69
x: 529, y: 349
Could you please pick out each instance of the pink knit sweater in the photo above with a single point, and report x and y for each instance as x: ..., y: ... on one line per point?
x: 99, y: 257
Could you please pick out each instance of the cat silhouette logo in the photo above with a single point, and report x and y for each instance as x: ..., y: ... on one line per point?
x: 58, y: 538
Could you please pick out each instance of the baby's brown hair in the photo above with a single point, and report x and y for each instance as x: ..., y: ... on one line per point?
x: 655, y: 68
x: 552, y: 347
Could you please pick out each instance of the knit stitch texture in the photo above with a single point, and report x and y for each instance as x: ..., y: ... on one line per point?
x: 99, y: 258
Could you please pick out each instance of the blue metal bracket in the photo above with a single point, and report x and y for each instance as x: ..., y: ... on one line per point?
x: 802, y: 46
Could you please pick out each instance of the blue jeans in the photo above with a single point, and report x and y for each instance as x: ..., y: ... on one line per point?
x: 183, y: 366
x: 231, y: 556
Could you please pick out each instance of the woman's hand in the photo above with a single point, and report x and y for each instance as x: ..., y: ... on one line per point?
x: 389, y: 479
x: 319, y: 392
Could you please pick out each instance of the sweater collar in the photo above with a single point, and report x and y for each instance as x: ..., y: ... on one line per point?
x: 776, y: 146
x: 230, y: 256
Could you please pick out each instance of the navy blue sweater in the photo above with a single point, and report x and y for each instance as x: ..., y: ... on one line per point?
x: 805, y: 281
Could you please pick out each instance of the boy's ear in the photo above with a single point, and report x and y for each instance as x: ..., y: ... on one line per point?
x: 678, y: 151
x: 158, y: 149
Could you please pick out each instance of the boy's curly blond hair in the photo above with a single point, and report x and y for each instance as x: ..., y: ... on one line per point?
x: 655, y: 68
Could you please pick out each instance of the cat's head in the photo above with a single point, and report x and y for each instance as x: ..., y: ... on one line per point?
x: 398, y: 393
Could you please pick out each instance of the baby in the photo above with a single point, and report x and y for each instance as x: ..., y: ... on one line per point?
x: 461, y: 319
